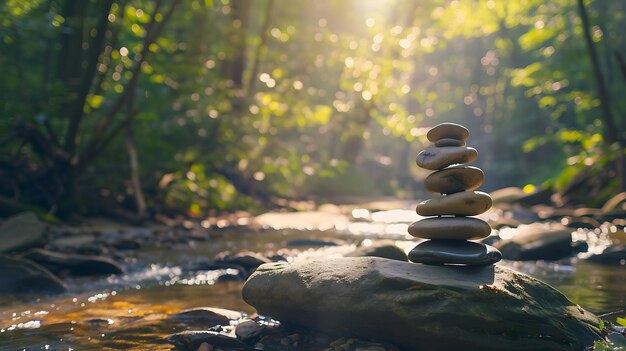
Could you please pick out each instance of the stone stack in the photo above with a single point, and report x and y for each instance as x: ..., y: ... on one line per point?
x: 450, y: 228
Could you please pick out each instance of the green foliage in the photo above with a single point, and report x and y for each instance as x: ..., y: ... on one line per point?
x: 233, y: 102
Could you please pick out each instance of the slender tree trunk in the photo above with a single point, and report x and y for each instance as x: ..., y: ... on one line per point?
x: 134, y: 173
x: 612, y: 134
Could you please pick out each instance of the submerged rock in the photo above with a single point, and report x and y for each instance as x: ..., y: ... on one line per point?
x: 21, y: 231
x: 71, y: 264
x: 19, y: 276
x: 206, y: 316
x: 192, y: 339
x: 421, y: 307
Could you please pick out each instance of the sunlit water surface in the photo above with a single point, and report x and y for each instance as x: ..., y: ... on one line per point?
x: 131, y: 311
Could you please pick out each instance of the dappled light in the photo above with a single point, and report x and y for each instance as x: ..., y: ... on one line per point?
x: 256, y: 174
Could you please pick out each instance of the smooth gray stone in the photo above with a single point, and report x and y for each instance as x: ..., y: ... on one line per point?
x: 457, y: 228
x: 421, y: 307
x: 466, y: 203
x: 21, y: 231
x: 447, y: 131
x: 434, y: 158
x: 454, y: 180
x: 439, y: 252
x: 449, y: 142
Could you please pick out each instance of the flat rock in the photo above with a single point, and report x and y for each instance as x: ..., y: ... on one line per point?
x: 438, y: 252
x: 434, y: 158
x: 449, y: 142
x: 21, y: 231
x: 206, y: 316
x: 447, y: 131
x: 465, y: 228
x: 383, y: 248
x: 192, y: 339
x: 454, y: 179
x: 72, y: 264
x: 538, y: 241
x: 467, y: 203
x: 421, y: 307
x: 20, y: 276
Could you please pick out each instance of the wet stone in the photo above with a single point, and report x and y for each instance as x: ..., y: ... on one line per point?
x: 439, y: 252
x: 454, y: 179
x: 447, y: 131
x: 206, y: 316
x: 435, y: 158
x: 445, y: 142
x: 460, y: 204
x: 460, y: 228
x: 248, y: 329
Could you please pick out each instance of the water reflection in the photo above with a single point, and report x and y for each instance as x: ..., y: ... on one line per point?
x: 131, y: 311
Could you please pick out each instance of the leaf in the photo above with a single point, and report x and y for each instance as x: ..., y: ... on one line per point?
x: 621, y: 321
x: 208, y: 3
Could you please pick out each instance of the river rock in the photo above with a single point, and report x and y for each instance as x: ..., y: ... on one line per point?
x: 438, y: 252
x: 21, y: 231
x: 449, y: 142
x: 248, y: 260
x: 466, y: 203
x: 466, y: 228
x: 434, y: 158
x: 447, y: 131
x: 206, y: 316
x: 383, y: 248
x: 248, y: 329
x: 72, y: 264
x: 422, y: 307
x: 19, y: 276
x: 454, y: 179
x: 192, y: 339
x: 613, y: 255
x: 538, y: 241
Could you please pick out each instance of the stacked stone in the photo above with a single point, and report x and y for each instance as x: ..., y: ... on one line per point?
x: 450, y: 228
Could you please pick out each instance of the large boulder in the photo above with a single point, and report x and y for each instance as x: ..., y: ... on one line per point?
x: 20, y: 232
x: 19, y: 276
x: 421, y: 307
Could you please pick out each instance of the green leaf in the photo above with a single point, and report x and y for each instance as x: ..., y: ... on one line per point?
x: 621, y: 321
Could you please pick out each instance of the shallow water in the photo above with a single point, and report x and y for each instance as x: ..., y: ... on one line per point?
x: 130, y: 312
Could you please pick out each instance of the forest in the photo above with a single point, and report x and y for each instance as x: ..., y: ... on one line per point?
x: 134, y: 108
x: 299, y: 175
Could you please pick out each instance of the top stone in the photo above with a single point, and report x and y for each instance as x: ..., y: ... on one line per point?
x: 447, y: 131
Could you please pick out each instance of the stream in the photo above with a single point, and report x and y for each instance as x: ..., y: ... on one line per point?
x: 131, y: 311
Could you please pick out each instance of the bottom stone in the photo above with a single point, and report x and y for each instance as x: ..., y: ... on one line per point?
x: 439, y: 252
x: 419, y: 307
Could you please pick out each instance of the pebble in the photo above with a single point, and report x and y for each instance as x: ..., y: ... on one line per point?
x: 438, y: 252
x: 461, y: 228
x: 248, y: 329
x: 468, y: 203
x: 447, y: 131
x: 454, y: 179
x: 434, y: 158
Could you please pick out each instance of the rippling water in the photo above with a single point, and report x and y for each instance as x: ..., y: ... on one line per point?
x: 130, y: 312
